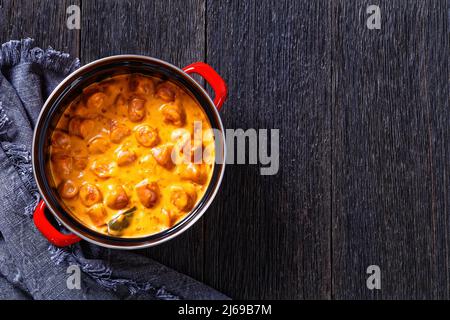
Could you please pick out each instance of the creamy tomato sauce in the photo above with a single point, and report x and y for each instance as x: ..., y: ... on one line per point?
x: 118, y: 155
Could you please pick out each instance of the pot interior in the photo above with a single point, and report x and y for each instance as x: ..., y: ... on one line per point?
x: 70, y: 89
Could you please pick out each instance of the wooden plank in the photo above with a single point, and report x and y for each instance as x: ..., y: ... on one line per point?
x: 169, y: 30
x: 391, y: 150
x: 269, y: 236
x: 364, y: 134
x: 43, y: 20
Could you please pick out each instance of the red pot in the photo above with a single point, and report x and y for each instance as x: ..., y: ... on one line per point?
x: 71, y: 87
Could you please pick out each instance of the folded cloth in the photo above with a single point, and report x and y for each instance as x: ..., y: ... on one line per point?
x: 31, y: 268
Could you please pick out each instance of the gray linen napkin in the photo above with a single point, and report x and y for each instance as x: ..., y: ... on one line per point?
x: 31, y: 268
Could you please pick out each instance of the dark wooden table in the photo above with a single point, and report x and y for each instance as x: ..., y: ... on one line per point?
x: 364, y: 149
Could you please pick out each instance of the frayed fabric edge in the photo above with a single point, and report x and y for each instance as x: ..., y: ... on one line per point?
x: 20, y: 158
x: 102, y: 274
x: 22, y: 51
x: 5, y: 125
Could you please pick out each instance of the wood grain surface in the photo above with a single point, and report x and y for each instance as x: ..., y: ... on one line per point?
x: 390, y: 154
x: 42, y: 20
x: 270, y: 235
x: 364, y: 136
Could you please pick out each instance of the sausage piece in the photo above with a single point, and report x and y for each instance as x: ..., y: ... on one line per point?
x: 125, y: 157
x: 90, y: 194
x: 166, y: 92
x: 169, y: 217
x: 181, y: 135
x: 80, y: 162
x: 74, y: 126
x: 68, y: 189
x: 194, y: 172
x: 97, y: 102
x: 97, y: 213
x: 142, y: 85
x: 173, y: 113
x: 121, y: 105
x: 84, y: 128
x: 148, y: 193
x: 163, y: 155
x: 63, y: 164
x: 79, y: 153
x: 182, y: 198
x: 118, y: 131
x: 98, y: 145
x: 136, y: 110
x: 103, y: 170
x: 163, y: 219
x: 117, y: 197
x: 147, y: 136
x: 60, y: 140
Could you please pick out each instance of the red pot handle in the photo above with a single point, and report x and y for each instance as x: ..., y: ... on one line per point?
x: 212, y: 77
x: 45, y: 227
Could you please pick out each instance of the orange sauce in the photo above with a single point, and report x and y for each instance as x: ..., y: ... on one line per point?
x: 121, y: 146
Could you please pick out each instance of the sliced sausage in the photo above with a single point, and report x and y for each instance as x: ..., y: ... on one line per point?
x: 118, y: 131
x: 63, y: 164
x: 97, y: 213
x: 148, y: 193
x: 98, y: 145
x: 117, y: 197
x: 166, y: 91
x: 173, y: 113
x: 68, y: 189
x: 97, y: 102
x: 142, y: 85
x: 80, y: 162
x: 171, y: 216
x: 121, y: 105
x: 60, y: 140
x: 194, y: 172
x: 90, y: 194
x: 136, y: 110
x: 166, y: 218
x: 147, y: 136
x: 83, y: 128
x: 182, y: 198
x: 103, y: 170
x: 163, y: 155
x: 126, y: 157
x: 79, y: 153
x: 180, y: 134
